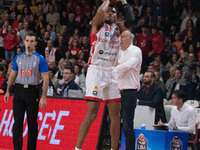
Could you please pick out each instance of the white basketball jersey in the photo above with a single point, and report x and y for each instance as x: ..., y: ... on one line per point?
x: 105, y: 46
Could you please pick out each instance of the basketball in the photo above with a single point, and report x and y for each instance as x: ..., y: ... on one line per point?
x: 111, y: 1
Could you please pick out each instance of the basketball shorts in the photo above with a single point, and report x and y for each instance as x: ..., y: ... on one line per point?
x: 101, y: 84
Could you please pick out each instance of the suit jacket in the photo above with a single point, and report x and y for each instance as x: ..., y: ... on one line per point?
x: 153, y: 99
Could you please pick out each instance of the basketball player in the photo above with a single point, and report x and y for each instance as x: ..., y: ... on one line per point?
x: 101, y: 80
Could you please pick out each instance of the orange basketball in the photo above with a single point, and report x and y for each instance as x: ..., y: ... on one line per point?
x: 111, y: 1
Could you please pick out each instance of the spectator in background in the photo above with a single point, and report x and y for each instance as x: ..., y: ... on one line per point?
x: 81, y: 57
x: 53, y: 83
x: 13, y: 11
x: 159, y: 81
x: 2, y: 50
x: 151, y: 95
x: 53, y: 79
x: 21, y: 5
x: 61, y: 48
x: 71, y: 24
x: 22, y: 35
x: 50, y: 52
x: 61, y: 65
x: 74, y: 47
x: 52, y: 33
x: 57, y: 27
x: 18, y: 50
x: 65, y: 33
x: 26, y: 13
x: 159, y: 8
x: 177, y: 44
x: 2, y: 74
x: 147, y: 18
x: 10, y: 41
x: 79, y: 77
x: 172, y: 61
x: 157, y: 63
x: 63, y: 17
x: 74, y: 60
x: 175, y: 10
x: 80, y: 17
x: 189, y: 75
x: 75, y: 36
x: 189, y: 16
x: 176, y: 84
x: 189, y: 40
x: 16, y: 22
x: 85, y: 47
x: 52, y: 15
x: 5, y: 82
x: 197, y: 97
x: 33, y: 7
x: 41, y: 23
x: 167, y: 49
x: 67, y: 55
x: 172, y: 31
x: 39, y: 10
x: 189, y: 27
x: 157, y: 42
x: 143, y: 41
x: 45, y: 6
x: 32, y: 23
x: 68, y: 76
x: 42, y: 43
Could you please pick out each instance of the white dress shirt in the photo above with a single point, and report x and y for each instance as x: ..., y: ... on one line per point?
x: 128, y: 70
x: 184, y: 119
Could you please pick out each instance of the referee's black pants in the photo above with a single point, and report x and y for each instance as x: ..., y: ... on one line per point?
x: 25, y: 100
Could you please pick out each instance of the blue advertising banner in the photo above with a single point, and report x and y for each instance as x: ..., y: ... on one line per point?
x: 158, y: 140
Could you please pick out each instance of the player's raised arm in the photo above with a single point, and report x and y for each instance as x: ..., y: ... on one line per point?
x: 99, y: 16
x: 129, y: 18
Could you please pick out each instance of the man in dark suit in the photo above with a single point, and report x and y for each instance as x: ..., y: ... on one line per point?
x: 151, y: 95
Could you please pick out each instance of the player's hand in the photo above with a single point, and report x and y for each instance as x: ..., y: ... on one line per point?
x: 160, y: 123
x: 43, y: 102
x: 6, y: 97
x: 137, y: 102
x: 59, y: 90
x: 174, y: 127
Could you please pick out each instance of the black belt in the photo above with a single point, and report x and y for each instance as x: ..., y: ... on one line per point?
x: 128, y: 90
x: 26, y: 86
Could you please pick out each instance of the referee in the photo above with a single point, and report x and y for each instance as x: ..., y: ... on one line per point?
x: 28, y: 67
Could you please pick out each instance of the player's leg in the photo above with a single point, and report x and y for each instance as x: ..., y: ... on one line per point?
x: 128, y: 105
x: 92, y: 111
x: 32, y: 107
x: 114, y: 112
x: 18, y: 112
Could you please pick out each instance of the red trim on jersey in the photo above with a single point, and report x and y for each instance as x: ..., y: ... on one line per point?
x: 112, y: 100
x: 92, y: 98
x: 97, y: 30
x: 93, y: 39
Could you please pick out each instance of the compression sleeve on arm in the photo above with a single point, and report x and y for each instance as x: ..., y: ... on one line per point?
x: 129, y: 16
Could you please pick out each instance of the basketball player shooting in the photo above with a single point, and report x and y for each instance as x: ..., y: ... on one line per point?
x: 101, y: 79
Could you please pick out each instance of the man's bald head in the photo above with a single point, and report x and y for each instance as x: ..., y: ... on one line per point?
x: 126, y: 39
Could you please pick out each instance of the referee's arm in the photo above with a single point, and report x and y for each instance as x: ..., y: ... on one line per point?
x: 11, y: 80
x: 43, y: 101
